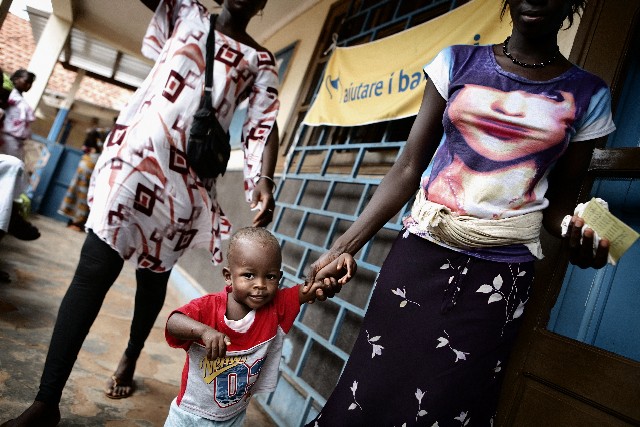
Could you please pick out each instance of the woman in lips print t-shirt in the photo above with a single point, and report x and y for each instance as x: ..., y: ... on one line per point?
x: 519, y: 123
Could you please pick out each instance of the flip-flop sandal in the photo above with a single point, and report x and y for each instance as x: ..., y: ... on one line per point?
x: 4, y: 277
x: 116, y: 384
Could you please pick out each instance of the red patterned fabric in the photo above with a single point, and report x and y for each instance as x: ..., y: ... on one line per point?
x: 145, y: 201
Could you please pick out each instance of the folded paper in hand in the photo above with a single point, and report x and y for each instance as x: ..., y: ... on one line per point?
x: 605, y: 225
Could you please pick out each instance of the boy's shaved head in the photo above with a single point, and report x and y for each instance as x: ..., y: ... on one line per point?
x: 257, y: 235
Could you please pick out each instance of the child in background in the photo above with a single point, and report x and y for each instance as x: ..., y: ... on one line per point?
x: 233, y: 338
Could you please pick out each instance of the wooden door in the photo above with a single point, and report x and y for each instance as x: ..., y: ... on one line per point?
x: 566, y: 378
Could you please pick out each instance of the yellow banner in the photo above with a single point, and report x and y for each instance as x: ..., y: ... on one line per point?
x: 383, y: 80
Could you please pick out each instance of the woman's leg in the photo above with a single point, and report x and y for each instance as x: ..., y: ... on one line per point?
x: 150, y: 295
x: 98, y: 268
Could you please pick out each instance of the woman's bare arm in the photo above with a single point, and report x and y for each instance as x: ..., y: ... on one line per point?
x: 399, y: 184
x: 263, y: 191
x: 565, y: 185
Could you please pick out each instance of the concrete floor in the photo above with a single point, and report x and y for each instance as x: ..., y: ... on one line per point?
x: 41, y: 271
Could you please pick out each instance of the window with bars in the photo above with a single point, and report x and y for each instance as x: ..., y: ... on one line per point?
x: 328, y: 176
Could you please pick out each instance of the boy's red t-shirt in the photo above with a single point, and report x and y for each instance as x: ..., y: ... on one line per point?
x: 221, y: 389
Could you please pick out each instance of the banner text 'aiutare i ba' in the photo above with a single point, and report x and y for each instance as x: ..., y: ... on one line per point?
x: 383, y: 80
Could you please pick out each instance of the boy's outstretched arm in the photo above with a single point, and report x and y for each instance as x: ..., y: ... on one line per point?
x: 185, y: 328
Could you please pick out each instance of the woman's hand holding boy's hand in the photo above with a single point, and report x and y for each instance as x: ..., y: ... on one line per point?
x: 332, y: 270
x: 309, y: 292
x: 215, y: 342
x: 344, y: 264
x: 326, y: 259
x: 581, y: 251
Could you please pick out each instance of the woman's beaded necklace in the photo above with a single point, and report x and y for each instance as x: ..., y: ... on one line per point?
x: 526, y: 64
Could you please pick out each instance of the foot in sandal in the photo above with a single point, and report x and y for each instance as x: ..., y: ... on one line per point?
x: 121, y: 384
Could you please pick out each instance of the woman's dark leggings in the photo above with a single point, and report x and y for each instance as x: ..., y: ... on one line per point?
x: 98, y: 268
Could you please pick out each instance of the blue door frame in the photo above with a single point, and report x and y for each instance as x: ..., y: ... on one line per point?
x: 53, y: 173
x: 603, y: 313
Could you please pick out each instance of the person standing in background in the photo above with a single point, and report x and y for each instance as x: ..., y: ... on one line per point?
x: 74, y: 205
x: 11, y: 185
x: 19, y: 115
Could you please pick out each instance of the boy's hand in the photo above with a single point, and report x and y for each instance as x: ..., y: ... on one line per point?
x: 320, y: 289
x: 332, y: 277
x: 215, y: 342
x: 308, y: 293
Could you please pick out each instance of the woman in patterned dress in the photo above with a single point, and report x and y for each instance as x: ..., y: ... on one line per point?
x: 147, y: 205
x: 75, y: 204
x: 518, y: 119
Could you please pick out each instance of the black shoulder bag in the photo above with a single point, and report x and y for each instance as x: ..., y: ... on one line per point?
x: 208, y: 148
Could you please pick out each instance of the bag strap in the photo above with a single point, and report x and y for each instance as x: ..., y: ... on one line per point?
x: 209, y: 54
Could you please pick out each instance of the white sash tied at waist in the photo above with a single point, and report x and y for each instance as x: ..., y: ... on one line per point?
x: 467, y: 232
